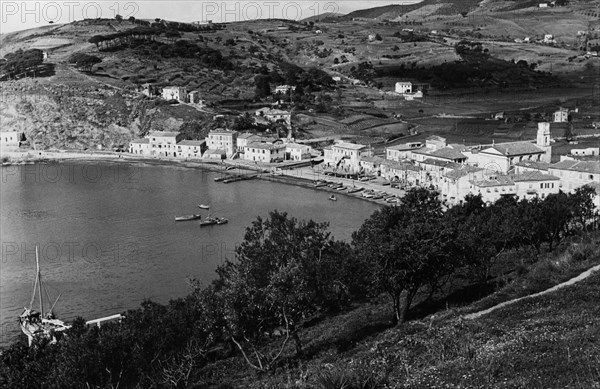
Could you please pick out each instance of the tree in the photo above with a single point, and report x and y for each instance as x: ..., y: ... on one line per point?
x: 131, y: 19
x: 263, y: 87
x: 407, y: 247
x: 243, y: 123
x: 285, y: 271
x: 119, y: 18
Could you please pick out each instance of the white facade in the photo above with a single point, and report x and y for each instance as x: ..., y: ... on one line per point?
x: 263, y: 152
x: 590, y: 151
x: 297, y: 152
x: 274, y: 115
x: 403, y: 87
x: 164, y: 143
x: 284, y: 88
x: 225, y: 140
x: 561, y: 116
x: 174, y: 93
x: 10, y: 138
x: 345, y: 156
x: 574, y: 173
x: 402, y: 151
x: 190, y: 148
x: 140, y: 146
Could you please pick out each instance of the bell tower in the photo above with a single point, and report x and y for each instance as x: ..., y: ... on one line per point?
x: 543, y: 141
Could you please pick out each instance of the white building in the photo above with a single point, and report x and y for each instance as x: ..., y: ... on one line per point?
x: 223, y: 140
x: 345, y: 156
x: 284, y: 88
x: 500, y: 157
x: 245, y: 139
x: 140, y: 146
x: 10, y: 139
x: 264, y: 152
x: 524, y: 186
x: 402, y: 151
x: 575, y: 173
x: 297, y: 152
x: 175, y: 93
x: 164, y: 143
x: 276, y: 115
x: 561, y: 116
x: 191, y: 148
x: 403, y: 87
x: 587, y: 152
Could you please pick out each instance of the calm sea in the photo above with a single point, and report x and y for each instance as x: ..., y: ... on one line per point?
x: 107, y: 237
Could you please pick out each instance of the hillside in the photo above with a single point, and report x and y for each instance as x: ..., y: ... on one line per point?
x: 65, y: 109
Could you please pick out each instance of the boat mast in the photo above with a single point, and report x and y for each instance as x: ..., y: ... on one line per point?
x: 39, y: 280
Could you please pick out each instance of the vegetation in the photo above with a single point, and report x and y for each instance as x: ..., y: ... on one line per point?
x: 22, y: 62
x: 290, y: 274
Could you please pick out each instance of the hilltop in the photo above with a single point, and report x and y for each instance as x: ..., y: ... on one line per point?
x: 226, y: 62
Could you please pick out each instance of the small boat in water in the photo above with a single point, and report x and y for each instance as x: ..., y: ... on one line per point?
x: 319, y: 184
x: 187, y: 217
x: 332, y: 198
x: 221, y: 220
x: 203, y: 206
x: 342, y: 187
x: 208, y: 221
x: 35, y: 324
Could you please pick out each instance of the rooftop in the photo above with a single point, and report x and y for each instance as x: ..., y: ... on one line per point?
x: 349, y: 146
x: 578, y: 166
x: 141, y: 141
x: 534, y: 165
x: 462, y: 171
x: 497, y: 181
x: 163, y: 134
x: 406, y: 146
x: 535, y: 176
x: 221, y: 131
x: 191, y: 143
x: 516, y: 148
x: 373, y: 159
x: 266, y: 146
x: 400, y: 165
x: 437, y: 162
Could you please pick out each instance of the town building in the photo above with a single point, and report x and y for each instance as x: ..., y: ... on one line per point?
x: 523, y: 186
x: 264, y: 152
x: 402, y: 151
x: 371, y: 165
x: 175, y: 93
x: 345, y: 156
x: 149, y: 90
x: 587, y: 152
x: 403, y: 172
x: 194, y: 97
x: 140, y: 146
x: 455, y: 184
x: 164, y: 143
x: 246, y: 138
x: 297, y: 152
x: 191, y: 148
x: 574, y: 173
x: 224, y: 140
x: 501, y: 157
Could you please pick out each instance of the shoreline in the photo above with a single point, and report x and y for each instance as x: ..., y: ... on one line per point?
x: 17, y: 158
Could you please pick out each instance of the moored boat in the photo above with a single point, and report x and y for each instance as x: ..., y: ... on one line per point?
x: 208, y: 221
x: 35, y: 324
x: 332, y: 198
x: 222, y: 220
x: 355, y: 189
x: 187, y: 217
x: 203, y: 206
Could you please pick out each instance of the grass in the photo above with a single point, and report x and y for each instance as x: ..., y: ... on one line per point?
x: 548, y: 341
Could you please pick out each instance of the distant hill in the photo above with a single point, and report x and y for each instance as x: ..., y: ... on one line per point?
x: 390, y: 12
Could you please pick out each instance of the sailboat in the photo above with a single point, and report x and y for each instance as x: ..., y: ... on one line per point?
x: 35, y: 324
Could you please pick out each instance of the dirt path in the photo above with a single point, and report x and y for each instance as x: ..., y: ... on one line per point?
x: 572, y: 281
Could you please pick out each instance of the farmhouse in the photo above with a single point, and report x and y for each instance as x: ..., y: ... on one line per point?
x: 10, y: 139
x: 276, y: 115
x: 284, y: 88
x: 403, y: 87
x: 561, y: 116
x: 174, y: 93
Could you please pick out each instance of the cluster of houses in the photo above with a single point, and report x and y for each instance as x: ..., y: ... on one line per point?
x: 520, y: 169
x: 221, y: 144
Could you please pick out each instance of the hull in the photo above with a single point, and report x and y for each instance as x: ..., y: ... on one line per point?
x: 187, y: 217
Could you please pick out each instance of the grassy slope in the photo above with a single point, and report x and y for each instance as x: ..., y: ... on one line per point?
x: 549, y: 341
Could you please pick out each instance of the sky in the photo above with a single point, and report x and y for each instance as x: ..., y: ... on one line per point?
x: 23, y: 14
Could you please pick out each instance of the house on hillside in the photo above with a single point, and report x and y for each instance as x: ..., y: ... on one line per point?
x: 403, y: 87
x: 561, y: 115
x: 276, y: 115
x: 284, y: 88
x: 174, y: 93
x: 11, y: 139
